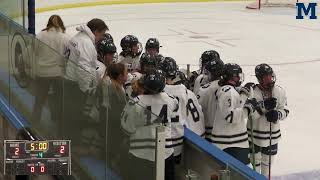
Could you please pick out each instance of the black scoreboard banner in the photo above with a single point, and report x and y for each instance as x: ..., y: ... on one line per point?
x: 51, y: 157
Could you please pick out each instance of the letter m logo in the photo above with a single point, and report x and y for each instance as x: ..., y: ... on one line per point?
x: 302, y: 9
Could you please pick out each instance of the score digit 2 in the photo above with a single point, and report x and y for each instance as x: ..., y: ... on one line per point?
x: 16, y: 151
x: 61, y: 149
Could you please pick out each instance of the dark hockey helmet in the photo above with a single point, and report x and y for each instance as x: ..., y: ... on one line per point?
x: 169, y: 67
x: 108, y: 37
x: 153, y: 82
x: 153, y: 43
x: 127, y: 43
x: 233, y: 72
x: 105, y: 46
x: 265, y: 75
x: 208, y: 56
x: 148, y: 62
x: 215, y: 68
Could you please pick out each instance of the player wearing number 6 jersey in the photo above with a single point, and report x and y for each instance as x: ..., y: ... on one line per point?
x: 140, y: 119
x: 191, y: 113
x: 229, y: 132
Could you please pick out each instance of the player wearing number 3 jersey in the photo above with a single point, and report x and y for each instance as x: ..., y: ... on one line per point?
x: 229, y: 131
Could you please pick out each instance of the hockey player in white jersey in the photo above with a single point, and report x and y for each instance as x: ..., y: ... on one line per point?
x: 139, y: 122
x: 147, y: 63
x: 152, y: 46
x: 107, y: 54
x: 131, y: 50
x: 207, y: 93
x: 272, y: 108
x: 203, y: 78
x: 191, y: 113
x: 229, y: 132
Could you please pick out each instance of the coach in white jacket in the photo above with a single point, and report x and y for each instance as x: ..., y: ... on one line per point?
x: 82, y: 54
x: 81, y: 77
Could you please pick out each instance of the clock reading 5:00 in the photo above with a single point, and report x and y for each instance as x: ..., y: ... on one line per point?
x: 39, y: 146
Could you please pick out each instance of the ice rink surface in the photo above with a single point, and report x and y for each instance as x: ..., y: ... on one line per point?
x: 243, y: 36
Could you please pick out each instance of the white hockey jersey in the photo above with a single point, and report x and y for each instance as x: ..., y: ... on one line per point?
x: 261, y: 127
x: 230, y: 126
x: 133, y: 64
x: 141, y: 118
x: 207, y: 97
x: 191, y: 114
x: 201, y: 80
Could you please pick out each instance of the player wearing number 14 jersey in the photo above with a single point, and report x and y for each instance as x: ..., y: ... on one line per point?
x: 139, y: 120
x: 191, y: 113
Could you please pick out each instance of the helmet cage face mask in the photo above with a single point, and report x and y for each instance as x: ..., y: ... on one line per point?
x: 152, y: 51
x: 241, y: 80
x: 267, y: 81
x: 202, y: 64
x: 238, y: 79
x: 139, y: 50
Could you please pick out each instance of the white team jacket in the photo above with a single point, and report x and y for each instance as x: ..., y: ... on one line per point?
x: 51, y: 63
x: 261, y: 127
x: 140, y: 119
x: 230, y: 123
x: 82, y: 54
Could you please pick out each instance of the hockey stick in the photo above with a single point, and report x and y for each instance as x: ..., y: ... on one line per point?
x: 270, y: 139
x: 270, y: 143
x: 253, y: 159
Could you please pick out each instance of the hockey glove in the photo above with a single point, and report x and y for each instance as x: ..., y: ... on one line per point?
x: 270, y: 103
x: 272, y: 116
x: 246, y: 88
x: 252, y: 105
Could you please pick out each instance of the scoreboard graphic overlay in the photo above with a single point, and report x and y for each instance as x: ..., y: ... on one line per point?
x: 50, y: 157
